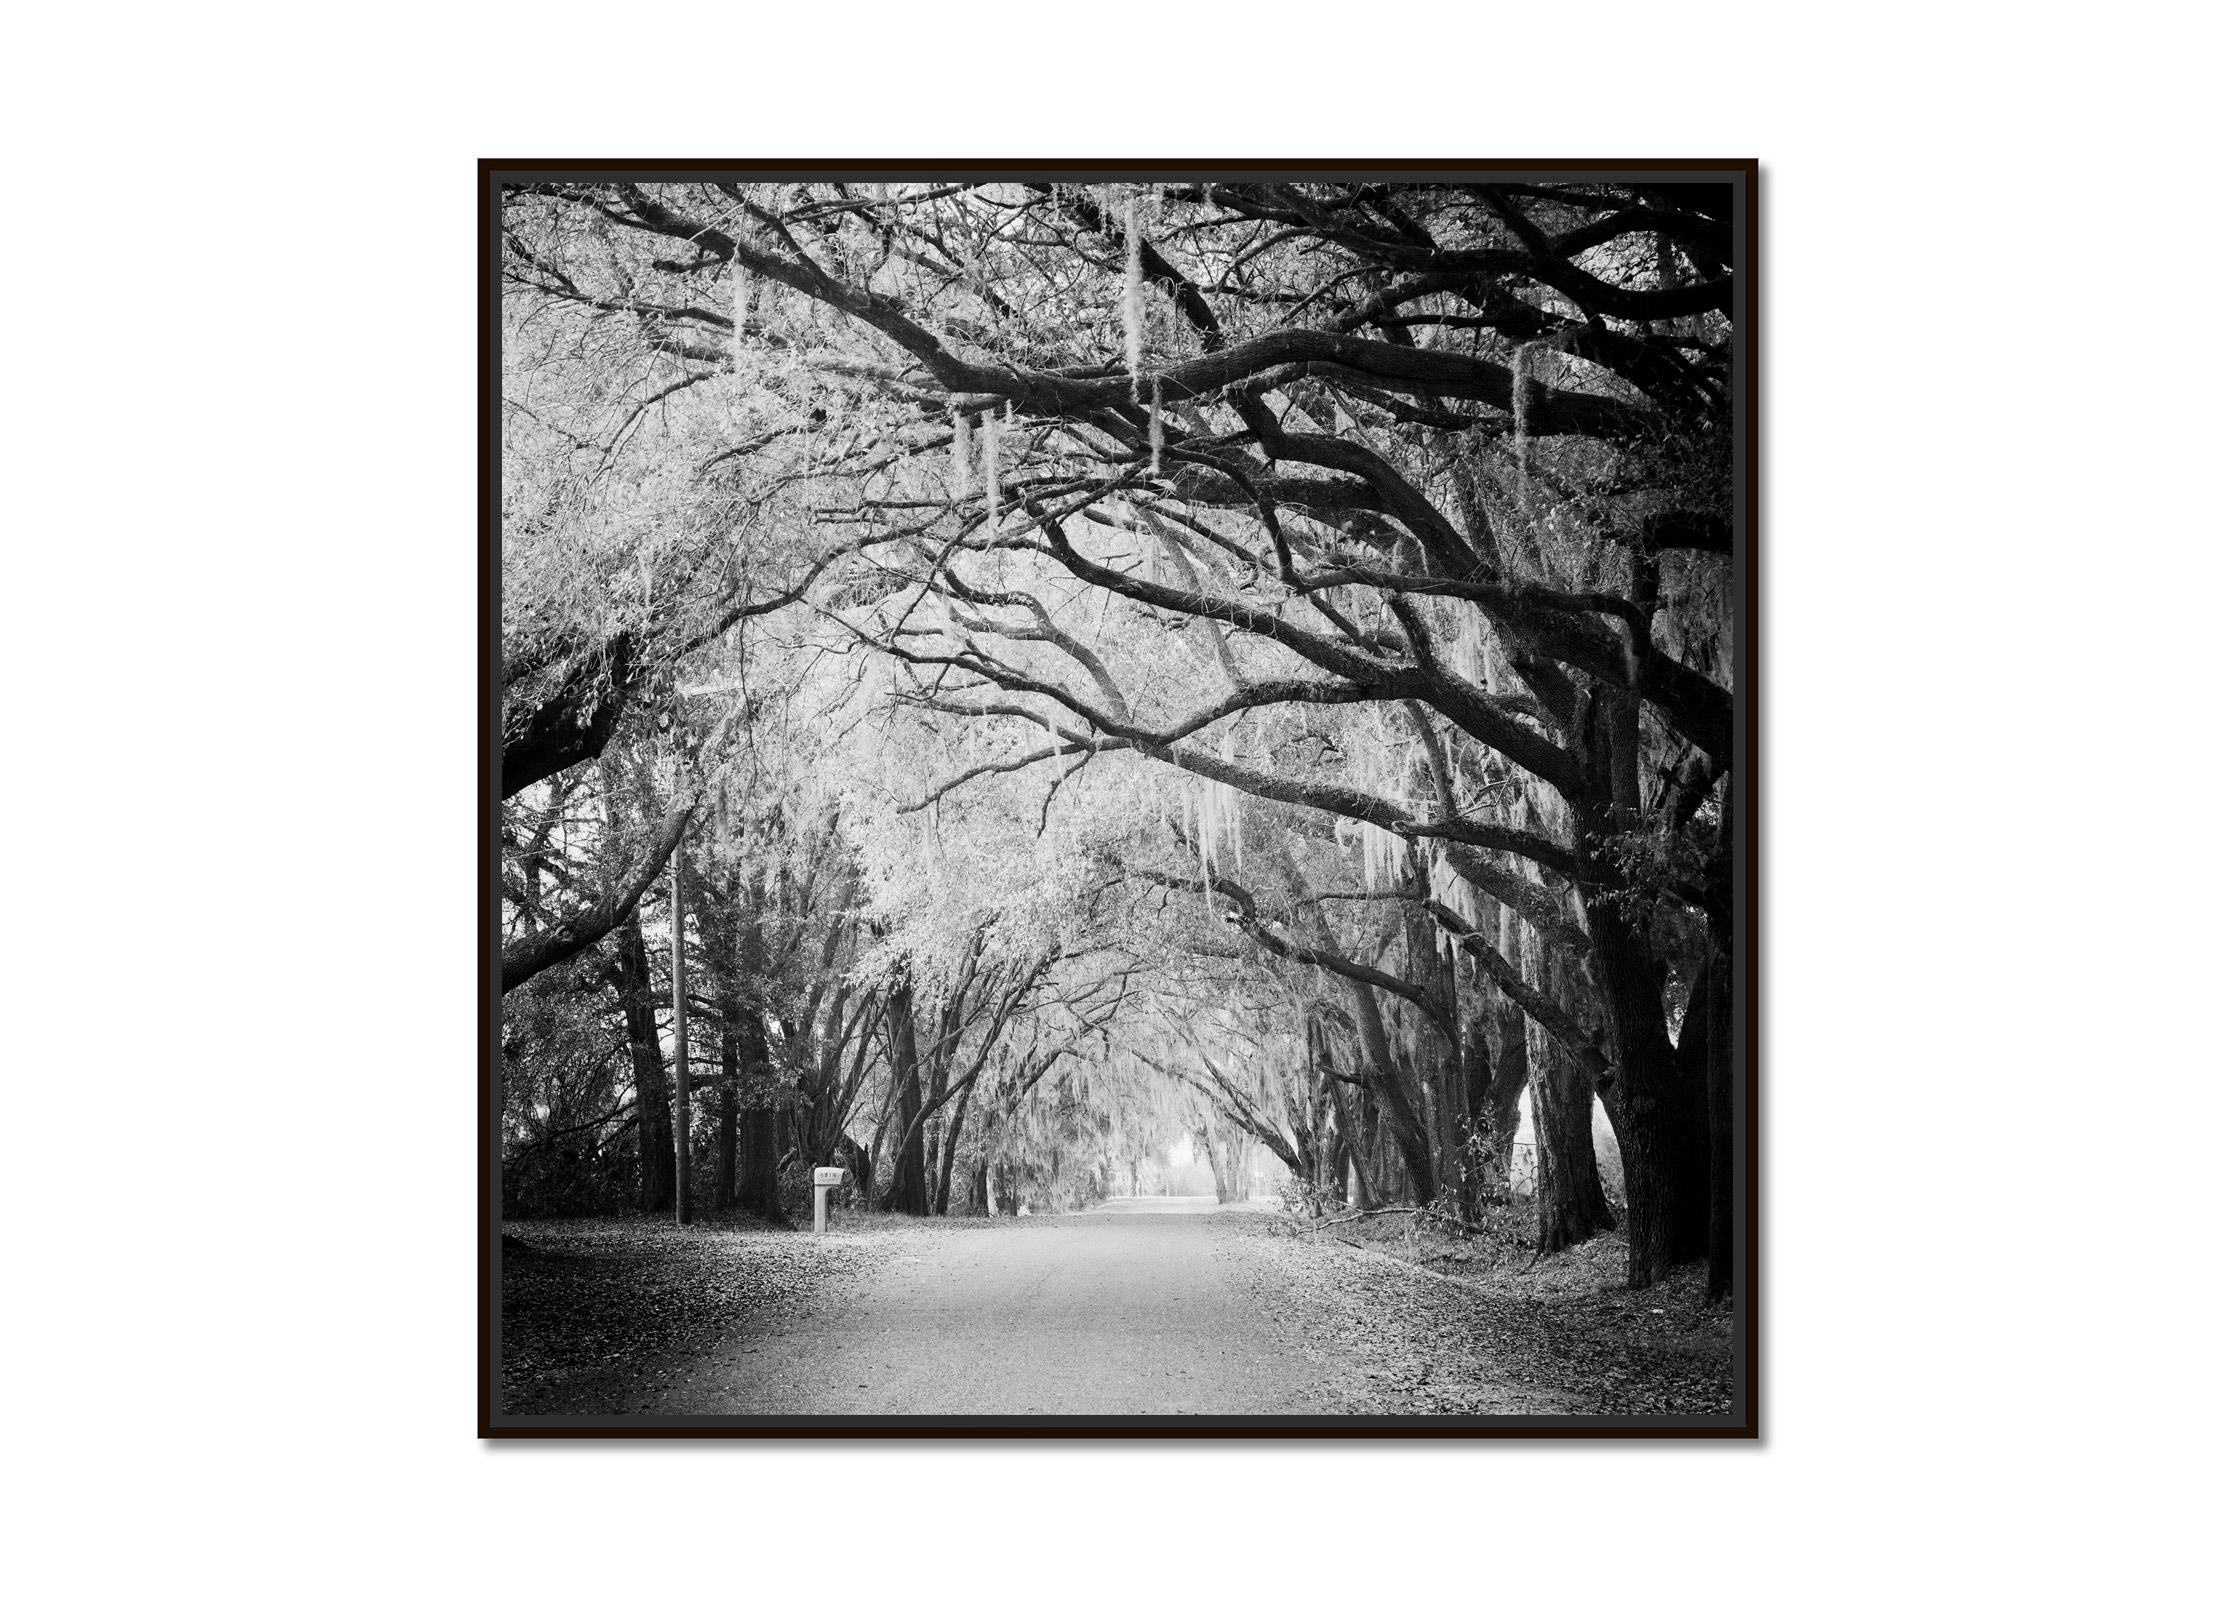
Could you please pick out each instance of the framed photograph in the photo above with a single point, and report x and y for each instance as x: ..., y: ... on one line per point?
x: 1118, y: 799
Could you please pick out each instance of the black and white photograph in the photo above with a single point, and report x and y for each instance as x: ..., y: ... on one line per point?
x: 1119, y: 800
x: 1042, y: 799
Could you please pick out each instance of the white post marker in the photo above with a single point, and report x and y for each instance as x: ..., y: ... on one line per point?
x: 827, y: 1179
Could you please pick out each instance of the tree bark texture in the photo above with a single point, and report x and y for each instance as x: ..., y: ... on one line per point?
x: 1503, y: 1107
x: 1658, y: 1114
x: 907, y: 1191
x: 1572, y: 1208
x: 630, y: 974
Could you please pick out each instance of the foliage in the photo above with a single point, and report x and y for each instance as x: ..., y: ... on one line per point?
x: 1217, y: 651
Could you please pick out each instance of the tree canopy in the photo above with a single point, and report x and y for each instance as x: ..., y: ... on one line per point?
x: 1256, y: 659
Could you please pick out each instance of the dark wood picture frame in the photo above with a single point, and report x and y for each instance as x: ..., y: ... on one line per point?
x: 1743, y: 1422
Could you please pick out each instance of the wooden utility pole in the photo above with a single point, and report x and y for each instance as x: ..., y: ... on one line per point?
x: 683, y: 1033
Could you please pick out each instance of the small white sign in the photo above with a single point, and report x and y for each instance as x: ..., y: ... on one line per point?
x: 828, y: 1177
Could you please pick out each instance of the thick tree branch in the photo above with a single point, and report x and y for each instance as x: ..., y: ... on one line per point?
x: 525, y: 958
x: 1246, y: 918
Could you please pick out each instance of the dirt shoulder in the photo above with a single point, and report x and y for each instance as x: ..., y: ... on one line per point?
x: 1446, y: 1325
x: 599, y: 1317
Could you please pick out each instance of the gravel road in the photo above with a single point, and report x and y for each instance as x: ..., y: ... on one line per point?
x: 1141, y: 1307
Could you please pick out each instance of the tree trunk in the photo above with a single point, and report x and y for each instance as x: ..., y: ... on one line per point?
x: 949, y: 1145
x: 860, y: 1161
x: 1473, y: 1080
x: 1397, y: 1115
x: 1360, y: 1131
x: 1448, y: 1073
x: 1204, y: 1135
x: 1569, y: 1190
x: 727, y: 1123
x: 1663, y: 1133
x: 630, y: 974
x: 1331, y: 1170
x: 976, y: 1193
x: 1660, y: 1113
x: 1227, y: 1153
x: 907, y: 1193
x: 1323, y: 1130
x: 1503, y: 1106
x: 1233, y: 1158
x: 758, y: 1168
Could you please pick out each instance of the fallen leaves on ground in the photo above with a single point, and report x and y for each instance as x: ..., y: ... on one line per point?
x: 1388, y: 1337
x: 593, y: 1309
